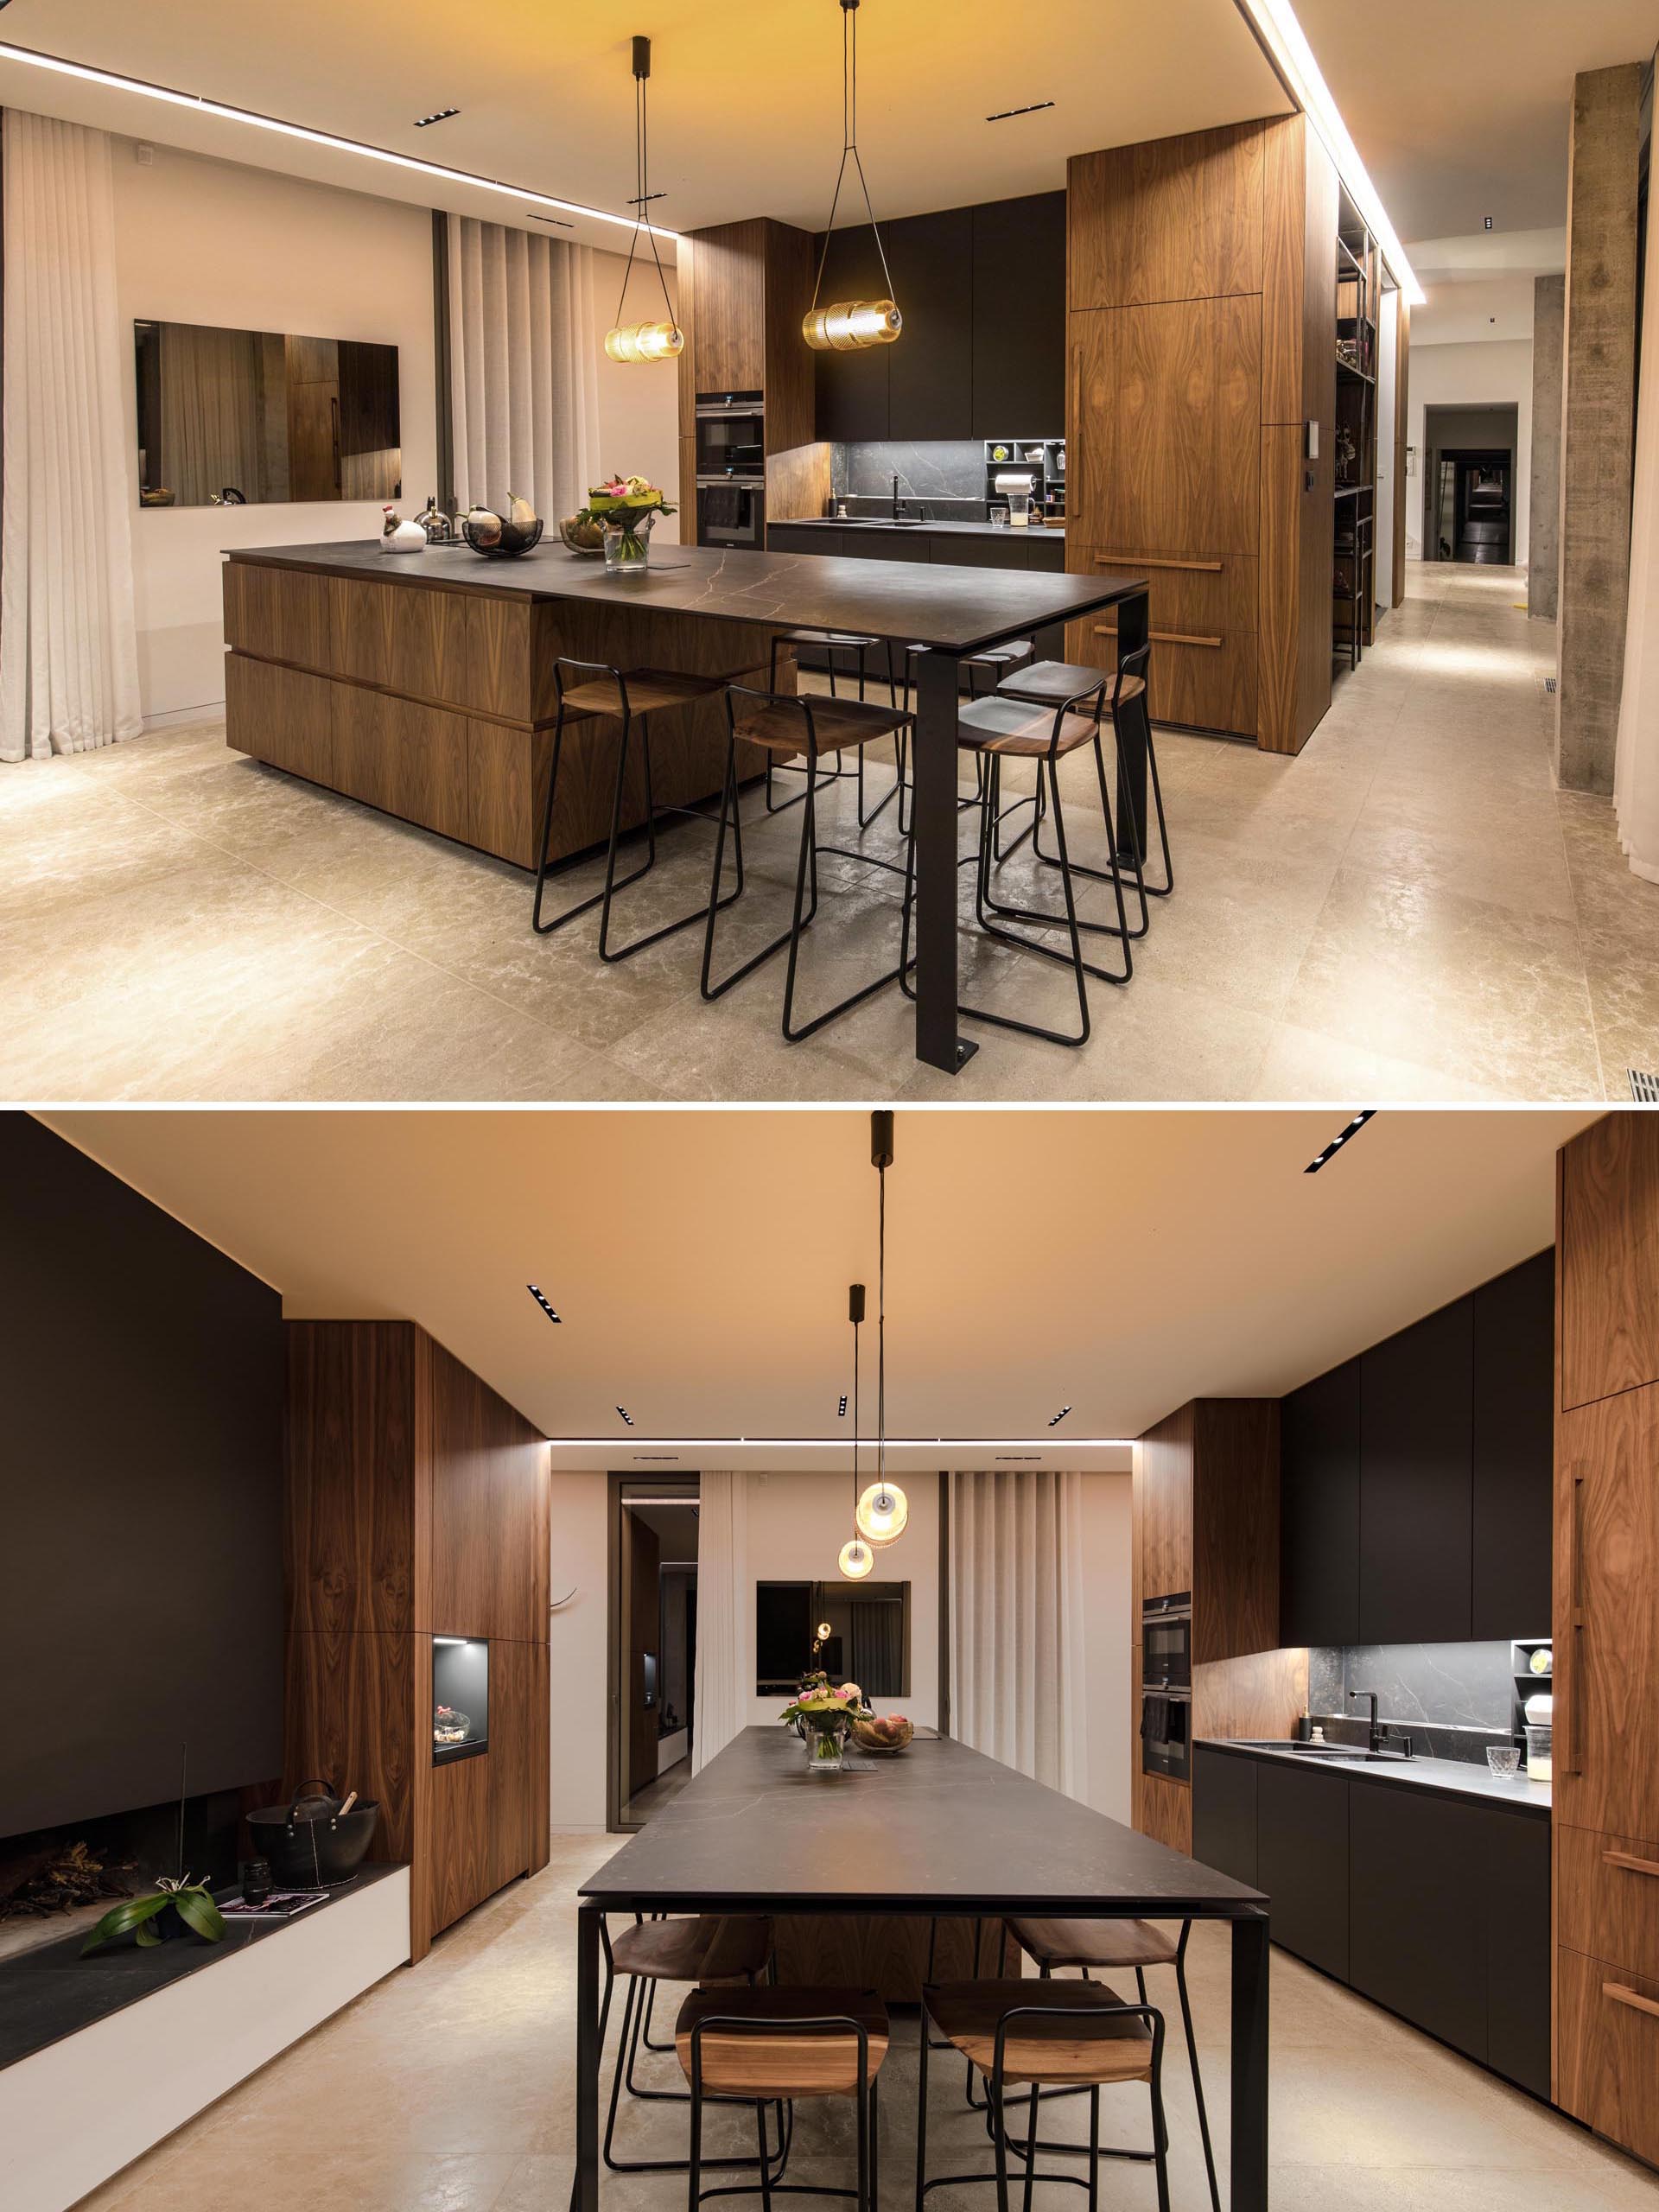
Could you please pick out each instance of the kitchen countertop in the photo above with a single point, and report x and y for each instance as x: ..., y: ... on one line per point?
x: 934, y: 529
x: 1476, y: 1785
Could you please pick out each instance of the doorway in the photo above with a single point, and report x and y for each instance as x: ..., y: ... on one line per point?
x: 1469, y: 484
x: 653, y: 1640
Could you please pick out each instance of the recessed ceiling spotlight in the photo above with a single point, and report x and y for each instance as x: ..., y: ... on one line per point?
x: 1488, y: 222
x: 842, y: 1409
x: 438, y: 115
x: 1339, y: 1140
x: 1056, y: 1418
x: 1033, y: 107
x: 625, y: 1415
x: 546, y: 1304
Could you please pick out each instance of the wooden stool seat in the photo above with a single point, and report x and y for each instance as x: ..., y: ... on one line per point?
x: 818, y: 2061
x: 1088, y: 2053
x: 650, y: 691
x: 1052, y: 683
x: 1017, y: 731
x: 1095, y: 1942
x: 710, y: 1947
x: 837, y: 724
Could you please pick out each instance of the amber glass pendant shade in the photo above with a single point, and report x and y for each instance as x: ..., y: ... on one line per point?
x: 882, y: 1512
x: 856, y: 1559
x: 850, y: 326
x: 644, y: 341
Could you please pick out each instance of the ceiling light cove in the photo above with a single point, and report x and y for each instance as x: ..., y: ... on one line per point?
x: 1339, y: 1140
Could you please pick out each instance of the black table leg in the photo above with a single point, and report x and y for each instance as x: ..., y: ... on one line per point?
x: 584, y: 2196
x: 934, y: 754
x: 1250, y: 2145
x: 1133, y: 627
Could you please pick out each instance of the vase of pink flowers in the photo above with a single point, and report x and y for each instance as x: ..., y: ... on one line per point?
x: 823, y: 1719
x: 625, y: 508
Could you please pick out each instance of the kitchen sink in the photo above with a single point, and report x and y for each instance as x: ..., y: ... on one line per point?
x: 1324, y: 1750
x: 881, y: 522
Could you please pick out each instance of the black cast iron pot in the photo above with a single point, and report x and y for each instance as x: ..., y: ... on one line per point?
x: 310, y: 1843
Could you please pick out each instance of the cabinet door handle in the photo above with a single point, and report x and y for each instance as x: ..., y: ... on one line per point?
x: 1633, y: 1998
x: 1630, y: 1862
x: 1152, y: 561
x: 1571, y: 1752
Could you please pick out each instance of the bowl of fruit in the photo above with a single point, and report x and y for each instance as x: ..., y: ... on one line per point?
x: 883, y: 1737
x: 501, y: 536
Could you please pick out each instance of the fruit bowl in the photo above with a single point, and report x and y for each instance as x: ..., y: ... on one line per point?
x: 883, y: 1738
x: 586, y: 537
x: 500, y: 538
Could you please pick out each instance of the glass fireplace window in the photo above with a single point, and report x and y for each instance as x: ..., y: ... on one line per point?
x: 460, y: 1697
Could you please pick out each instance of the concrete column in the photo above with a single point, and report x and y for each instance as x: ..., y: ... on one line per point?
x: 1598, y: 414
x: 1544, y: 524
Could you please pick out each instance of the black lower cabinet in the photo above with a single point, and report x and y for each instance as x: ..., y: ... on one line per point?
x: 1301, y: 1861
x: 1515, y: 1887
x: 1224, y: 1813
x: 1418, y: 1942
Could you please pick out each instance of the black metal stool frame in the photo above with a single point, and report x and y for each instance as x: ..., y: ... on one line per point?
x: 653, y: 814
x: 866, y: 2098
x: 996, y: 2110
x: 806, y: 875
x: 838, y: 772
x: 976, y: 668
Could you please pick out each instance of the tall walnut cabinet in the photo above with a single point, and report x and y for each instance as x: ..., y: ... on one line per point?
x: 1202, y: 301
x: 1605, y: 1809
x: 417, y: 1503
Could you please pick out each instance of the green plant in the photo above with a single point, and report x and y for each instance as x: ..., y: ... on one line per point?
x: 192, y: 1901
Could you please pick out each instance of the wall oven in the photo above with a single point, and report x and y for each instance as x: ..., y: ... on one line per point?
x: 1166, y: 1642
x: 731, y: 513
x: 731, y: 434
x: 1166, y: 1736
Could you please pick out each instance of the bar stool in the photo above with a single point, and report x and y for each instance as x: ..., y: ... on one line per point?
x: 1075, y: 2034
x: 1000, y: 727
x: 1043, y: 684
x: 1093, y: 1945
x: 835, y: 641
x: 628, y: 695
x: 762, y: 2046
x: 787, y: 725
x: 996, y: 661
x: 710, y: 1948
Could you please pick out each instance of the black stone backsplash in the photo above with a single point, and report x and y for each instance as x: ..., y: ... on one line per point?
x: 1454, y: 1699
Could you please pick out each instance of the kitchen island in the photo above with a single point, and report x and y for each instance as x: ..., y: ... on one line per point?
x: 423, y: 684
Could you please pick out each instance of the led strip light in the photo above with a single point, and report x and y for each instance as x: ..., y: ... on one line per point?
x: 839, y: 1444
x: 196, y: 104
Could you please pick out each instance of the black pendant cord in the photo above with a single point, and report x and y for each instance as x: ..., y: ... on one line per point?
x: 849, y: 146
x: 882, y: 1334
x: 855, y: 1430
x: 642, y: 200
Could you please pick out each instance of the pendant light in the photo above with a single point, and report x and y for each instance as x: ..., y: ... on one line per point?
x: 856, y: 1558
x: 882, y: 1509
x: 849, y: 326
x: 643, y: 342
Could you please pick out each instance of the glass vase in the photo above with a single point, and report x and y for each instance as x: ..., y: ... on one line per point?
x: 826, y: 1743
x: 627, y: 543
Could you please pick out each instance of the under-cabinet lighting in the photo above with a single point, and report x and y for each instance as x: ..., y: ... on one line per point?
x: 197, y: 104
x: 545, y: 1303
x: 1286, y: 46
x: 1339, y: 1140
x: 462, y: 1640
x: 839, y: 1444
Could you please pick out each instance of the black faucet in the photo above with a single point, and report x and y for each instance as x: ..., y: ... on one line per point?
x: 897, y: 502
x: 1373, y: 1741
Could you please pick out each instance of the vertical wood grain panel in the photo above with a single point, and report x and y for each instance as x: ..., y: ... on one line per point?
x: 1235, y: 1528
x: 1609, y: 1258
x: 349, y: 1457
x: 280, y: 716
x: 1284, y: 268
x: 489, y: 1490
x: 1163, y: 1809
x: 728, y: 337
x: 685, y: 312
x: 787, y: 367
x: 281, y: 613
x: 1171, y: 218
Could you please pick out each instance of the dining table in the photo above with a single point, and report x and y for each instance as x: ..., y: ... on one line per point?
x: 941, y: 1829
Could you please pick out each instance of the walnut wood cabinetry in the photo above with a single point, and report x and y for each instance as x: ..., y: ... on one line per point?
x: 1206, y: 1521
x: 1606, y: 1807
x: 1201, y: 299
x: 416, y: 1503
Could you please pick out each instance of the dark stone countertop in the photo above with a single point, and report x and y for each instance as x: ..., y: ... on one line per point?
x: 1476, y: 1785
x: 940, y: 1829
x: 922, y: 528
x: 52, y: 1992
x: 948, y: 609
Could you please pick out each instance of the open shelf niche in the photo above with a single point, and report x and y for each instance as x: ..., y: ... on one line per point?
x: 1359, y: 270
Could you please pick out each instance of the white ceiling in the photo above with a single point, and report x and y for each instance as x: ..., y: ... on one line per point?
x: 1460, y: 108
x: 1120, y: 1263
x: 744, y: 99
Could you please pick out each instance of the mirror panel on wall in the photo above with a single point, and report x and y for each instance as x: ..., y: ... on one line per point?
x: 252, y: 418
x: 868, y: 1642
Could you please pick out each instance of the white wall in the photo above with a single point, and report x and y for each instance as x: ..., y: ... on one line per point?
x: 1108, y: 1585
x: 578, y: 1652
x: 1497, y: 375
x: 638, y: 404
x: 211, y: 242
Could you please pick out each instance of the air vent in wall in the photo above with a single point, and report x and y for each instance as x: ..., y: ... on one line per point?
x: 1643, y: 1088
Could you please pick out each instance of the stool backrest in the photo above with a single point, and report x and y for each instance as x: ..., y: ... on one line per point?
x: 812, y: 2056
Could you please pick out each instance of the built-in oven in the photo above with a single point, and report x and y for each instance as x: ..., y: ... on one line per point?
x: 731, y: 513
x: 1166, y: 1642
x: 1167, y: 1735
x: 731, y: 434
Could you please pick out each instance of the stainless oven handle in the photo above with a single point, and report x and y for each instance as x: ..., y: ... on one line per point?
x: 739, y: 483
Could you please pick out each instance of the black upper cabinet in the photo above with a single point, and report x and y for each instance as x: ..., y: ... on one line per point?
x: 1319, y: 1510
x: 1018, y: 333
x: 851, y: 404
x: 929, y: 371
x: 1514, y: 1371
x: 1415, y: 1409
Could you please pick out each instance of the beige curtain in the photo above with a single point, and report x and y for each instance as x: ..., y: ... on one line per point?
x: 68, y: 648
x: 1635, y: 772
x: 1017, y: 1669
x: 524, y: 344
x: 724, y: 1603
